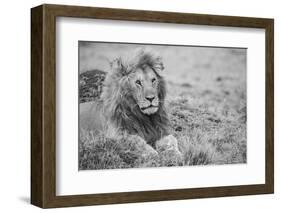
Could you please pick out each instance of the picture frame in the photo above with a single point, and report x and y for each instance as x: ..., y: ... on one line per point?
x: 43, y: 105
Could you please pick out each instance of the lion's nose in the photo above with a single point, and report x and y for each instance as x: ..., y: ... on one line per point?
x: 149, y: 98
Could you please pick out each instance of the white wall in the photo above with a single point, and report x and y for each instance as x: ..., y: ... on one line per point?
x: 15, y: 106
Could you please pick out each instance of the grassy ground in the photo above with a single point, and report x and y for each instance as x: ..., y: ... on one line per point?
x: 206, y: 104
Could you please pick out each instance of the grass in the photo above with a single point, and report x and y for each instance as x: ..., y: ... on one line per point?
x: 104, y: 153
x: 206, y: 104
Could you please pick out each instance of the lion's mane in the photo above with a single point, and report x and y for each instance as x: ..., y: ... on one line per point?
x: 119, y: 105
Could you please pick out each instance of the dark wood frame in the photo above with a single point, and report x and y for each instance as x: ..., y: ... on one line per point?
x: 43, y: 105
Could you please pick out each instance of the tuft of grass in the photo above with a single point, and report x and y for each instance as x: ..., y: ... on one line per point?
x: 196, y: 149
x: 97, y: 152
x: 100, y: 152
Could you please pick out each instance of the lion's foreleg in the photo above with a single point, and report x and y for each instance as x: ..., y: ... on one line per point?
x: 168, y: 150
x: 144, y: 154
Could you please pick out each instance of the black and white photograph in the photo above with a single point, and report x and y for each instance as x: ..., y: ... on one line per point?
x: 150, y: 105
x: 145, y: 105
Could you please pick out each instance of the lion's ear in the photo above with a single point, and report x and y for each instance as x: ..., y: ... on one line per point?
x: 158, y: 65
x: 116, y: 64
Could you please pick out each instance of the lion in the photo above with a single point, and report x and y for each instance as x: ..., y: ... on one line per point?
x: 132, y: 102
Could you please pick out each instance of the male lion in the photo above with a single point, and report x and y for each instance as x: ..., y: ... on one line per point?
x: 132, y: 103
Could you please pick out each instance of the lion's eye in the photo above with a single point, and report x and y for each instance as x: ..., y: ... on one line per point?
x: 153, y: 80
x: 138, y: 82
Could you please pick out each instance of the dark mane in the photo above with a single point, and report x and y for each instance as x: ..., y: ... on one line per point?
x: 150, y: 127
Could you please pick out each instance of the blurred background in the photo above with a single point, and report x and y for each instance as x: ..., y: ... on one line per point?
x: 202, y: 70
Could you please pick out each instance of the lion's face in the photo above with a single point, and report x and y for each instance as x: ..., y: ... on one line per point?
x: 144, y: 84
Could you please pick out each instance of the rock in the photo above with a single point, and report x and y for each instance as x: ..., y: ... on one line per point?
x: 90, y: 85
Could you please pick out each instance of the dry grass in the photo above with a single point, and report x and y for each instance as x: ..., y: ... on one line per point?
x: 206, y: 103
x: 99, y: 152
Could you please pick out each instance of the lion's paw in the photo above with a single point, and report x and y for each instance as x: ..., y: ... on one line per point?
x: 144, y: 154
x: 168, y: 142
x: 168, y: 150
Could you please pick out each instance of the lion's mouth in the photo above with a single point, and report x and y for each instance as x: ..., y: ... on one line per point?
x: 150, y: 106
x: 149, y: 109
